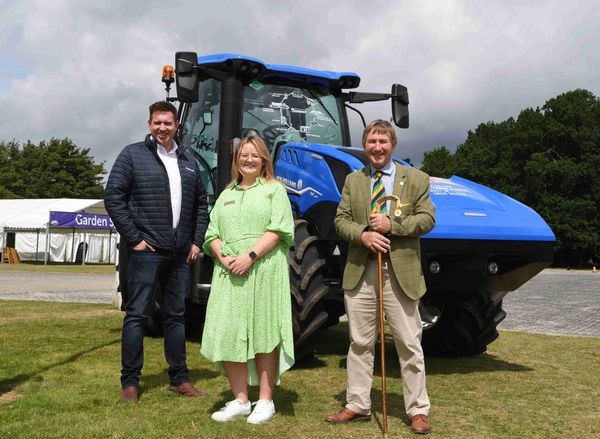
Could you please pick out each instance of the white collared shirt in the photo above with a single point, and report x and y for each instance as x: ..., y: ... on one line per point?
x: 169, y: 159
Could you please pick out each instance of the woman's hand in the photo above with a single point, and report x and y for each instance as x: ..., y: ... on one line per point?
x: 240, y: 265
x: 225, y: 261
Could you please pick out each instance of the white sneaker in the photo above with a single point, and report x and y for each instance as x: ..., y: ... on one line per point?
x: 264, y: 410
x: 233, y: 410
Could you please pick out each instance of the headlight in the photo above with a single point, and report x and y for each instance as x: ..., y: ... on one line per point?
x: 493, y: 268
x: 434, y: 267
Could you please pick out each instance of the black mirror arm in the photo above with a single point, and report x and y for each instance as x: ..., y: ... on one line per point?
x: 355, y: 97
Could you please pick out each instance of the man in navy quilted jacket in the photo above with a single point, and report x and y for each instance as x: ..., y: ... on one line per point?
x: 157, y: 202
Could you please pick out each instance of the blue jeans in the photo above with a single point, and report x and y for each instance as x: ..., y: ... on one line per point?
x: 146, y: 268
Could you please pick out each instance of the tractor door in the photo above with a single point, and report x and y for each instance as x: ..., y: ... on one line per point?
x: 200, y: 132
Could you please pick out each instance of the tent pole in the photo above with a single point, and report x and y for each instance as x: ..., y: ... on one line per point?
x: 73, y: 247
x: 3, y: 245
x: 37, y: 243
x: 47, y: 249
x: 83, y: 248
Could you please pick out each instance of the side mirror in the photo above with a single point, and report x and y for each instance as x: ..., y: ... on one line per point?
x: 400, y: 105
x: 186, y: 76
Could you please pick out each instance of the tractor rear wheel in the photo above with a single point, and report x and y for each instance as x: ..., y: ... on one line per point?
x: 460, y: 326
x: 308, y: 290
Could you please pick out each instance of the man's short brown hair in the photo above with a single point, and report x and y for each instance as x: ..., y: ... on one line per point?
x: 162, y: 107
x: 382, y: 127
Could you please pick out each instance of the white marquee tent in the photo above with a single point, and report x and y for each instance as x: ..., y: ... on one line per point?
x: 28, y: 220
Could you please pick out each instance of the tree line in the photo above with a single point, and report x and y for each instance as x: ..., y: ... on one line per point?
x: 549, y: 159
x: 50, y: 169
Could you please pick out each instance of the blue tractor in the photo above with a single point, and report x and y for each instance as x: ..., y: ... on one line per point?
x: 484, y: 245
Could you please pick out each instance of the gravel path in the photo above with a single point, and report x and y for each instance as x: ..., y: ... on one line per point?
x: 59, y: 287
x: 564, y: 302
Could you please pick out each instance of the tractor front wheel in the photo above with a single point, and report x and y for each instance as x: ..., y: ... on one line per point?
x: 460, y: 326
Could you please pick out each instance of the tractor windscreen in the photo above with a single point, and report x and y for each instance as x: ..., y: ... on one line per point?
x: 280, y: 113
x: 284, y: 113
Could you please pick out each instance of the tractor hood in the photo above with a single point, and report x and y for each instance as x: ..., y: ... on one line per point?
x: 467, y: 210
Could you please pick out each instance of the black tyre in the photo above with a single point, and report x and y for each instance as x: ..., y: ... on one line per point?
x: 195, y: 315
x: 460, y: 326
x: 308, y: 290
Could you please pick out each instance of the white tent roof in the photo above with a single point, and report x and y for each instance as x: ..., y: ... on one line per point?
x: 34, y: 213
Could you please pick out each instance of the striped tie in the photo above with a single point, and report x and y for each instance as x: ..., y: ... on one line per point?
x: 378, y: 192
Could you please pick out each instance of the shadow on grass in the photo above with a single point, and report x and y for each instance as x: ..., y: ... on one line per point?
x: 395, y: 405
x: 444, y: 366
x: 466, y: 365
x: 197, y: 376
x: 334, y: 341
x: 309, y: 362
x: 8, y: 384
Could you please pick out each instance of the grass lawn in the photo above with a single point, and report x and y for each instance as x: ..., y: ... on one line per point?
x: 59, y: 377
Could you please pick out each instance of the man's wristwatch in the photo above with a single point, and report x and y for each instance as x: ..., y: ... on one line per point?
x: 253, y: 255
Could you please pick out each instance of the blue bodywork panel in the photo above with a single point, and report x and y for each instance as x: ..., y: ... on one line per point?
x: 467, y: 210
x: 306, y: 174
x: 279, y: 69
x: 464, y: 210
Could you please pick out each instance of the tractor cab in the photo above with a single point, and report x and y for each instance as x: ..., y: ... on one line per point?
x: 283, y: 104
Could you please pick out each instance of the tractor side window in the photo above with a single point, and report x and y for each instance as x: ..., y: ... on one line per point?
x: 283, y: 113
x: 200, y: 131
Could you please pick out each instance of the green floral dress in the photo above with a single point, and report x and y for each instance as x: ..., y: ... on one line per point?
x: 250, y: 314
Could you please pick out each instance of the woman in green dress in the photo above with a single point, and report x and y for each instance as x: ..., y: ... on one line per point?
x: 248, y: 328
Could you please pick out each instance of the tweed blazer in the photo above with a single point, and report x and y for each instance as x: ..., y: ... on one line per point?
x: 352, y: 219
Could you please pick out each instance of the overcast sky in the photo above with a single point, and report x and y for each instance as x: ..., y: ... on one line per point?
x: 87, y: 70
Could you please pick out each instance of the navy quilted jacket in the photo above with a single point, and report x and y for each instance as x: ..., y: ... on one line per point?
x: 138, y: 199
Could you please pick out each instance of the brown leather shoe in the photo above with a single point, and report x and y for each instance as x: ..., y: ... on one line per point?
x: 420, y: 424
x: 346, y: 415
x: 186, y: 389
x: 130, y: 394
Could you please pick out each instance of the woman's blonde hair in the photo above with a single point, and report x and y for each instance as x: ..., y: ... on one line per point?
x: 266, y: 172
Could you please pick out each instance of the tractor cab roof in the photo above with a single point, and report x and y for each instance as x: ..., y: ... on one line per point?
x: 327, y: 78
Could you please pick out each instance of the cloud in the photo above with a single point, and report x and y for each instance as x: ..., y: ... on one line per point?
x: 88, y: 70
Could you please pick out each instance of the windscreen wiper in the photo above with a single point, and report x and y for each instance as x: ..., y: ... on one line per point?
x: 315, y: 96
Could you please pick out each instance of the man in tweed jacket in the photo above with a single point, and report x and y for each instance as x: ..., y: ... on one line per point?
x: 397, y: 238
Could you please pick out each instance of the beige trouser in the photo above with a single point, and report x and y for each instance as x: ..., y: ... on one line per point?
x: 402, y: 316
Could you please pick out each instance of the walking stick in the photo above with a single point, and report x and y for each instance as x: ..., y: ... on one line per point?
x: 397, y: 212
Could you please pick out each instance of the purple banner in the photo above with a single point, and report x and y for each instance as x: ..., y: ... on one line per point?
x: 80, y: 220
